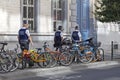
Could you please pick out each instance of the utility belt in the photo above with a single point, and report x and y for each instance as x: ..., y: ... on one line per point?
x: 24, y: 41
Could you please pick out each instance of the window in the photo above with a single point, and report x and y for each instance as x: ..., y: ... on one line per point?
x: 28, y: 13
x: 58, y: 7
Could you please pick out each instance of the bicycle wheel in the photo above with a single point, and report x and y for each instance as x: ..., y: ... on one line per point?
x: 99, y: 54
x: 0, y: 68
x: 15, y: 59
x: 53, y: 60
x: 86, y: 55
x: 7, y: 62
x: 1, y: 61
x: 65, y: 58
x: 16, y: 63
x: 24, y: 62
x: 20, y: 60
x: 44, y: 59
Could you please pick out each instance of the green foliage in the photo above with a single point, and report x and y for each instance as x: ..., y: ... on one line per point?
x: 107, y: 10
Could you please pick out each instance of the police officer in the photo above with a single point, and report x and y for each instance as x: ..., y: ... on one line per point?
x: 58, y: 37
x: 24, y: 37
x: 76, y: 35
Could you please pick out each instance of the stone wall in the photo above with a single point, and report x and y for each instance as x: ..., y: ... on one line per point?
x: 9, y: 16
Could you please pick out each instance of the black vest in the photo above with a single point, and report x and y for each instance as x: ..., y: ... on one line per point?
x: 57, y: 36
x: 75, y: 35
x: 22, y: 34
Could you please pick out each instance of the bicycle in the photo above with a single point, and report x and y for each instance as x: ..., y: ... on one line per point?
x: 59, y: 57
x: 96, y: 49
x: 36, y: 56
x: 14, y: 54
x: 42, y: 58
x: 80, y: 52
x: 6, y: 62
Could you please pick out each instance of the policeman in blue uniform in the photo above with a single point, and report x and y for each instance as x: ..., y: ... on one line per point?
x: 24, y: 37
x: 58, y: 37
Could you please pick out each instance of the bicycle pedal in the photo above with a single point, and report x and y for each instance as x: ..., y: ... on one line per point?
x: 59, y: 63
x: 89, y: 53
x: 22, y: 68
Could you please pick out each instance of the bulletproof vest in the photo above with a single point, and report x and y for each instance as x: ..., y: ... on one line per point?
x: 75, y: 35
x: 22, y: 34
x: 57, y: 36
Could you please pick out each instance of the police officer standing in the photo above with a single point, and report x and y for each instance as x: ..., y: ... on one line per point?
x: 24, y: 37
x: 58, y: 37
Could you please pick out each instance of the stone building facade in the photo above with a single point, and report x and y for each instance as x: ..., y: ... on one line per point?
x: 39, y: 14
x: 44, y: 16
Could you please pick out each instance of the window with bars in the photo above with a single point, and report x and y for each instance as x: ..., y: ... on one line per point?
x: 28, y: 13
x: 58, y: 7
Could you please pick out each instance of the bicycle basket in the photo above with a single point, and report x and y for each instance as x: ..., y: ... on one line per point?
x: 98, y: 44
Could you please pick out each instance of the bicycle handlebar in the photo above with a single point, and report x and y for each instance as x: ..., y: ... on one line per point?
x: 89, y: 40
x: 3, y: 45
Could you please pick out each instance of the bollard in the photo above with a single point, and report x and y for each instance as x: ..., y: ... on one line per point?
x: 103, y: 56
x: 112, y: 50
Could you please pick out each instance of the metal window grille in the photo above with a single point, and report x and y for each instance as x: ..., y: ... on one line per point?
x: 58, y: 13
x: 28, y: 13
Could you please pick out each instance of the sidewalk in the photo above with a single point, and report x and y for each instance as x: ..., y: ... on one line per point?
x: 32, y: 72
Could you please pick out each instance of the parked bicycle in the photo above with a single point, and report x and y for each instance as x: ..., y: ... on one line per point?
x: 96, y: 49
x: 6, y: 62
x: 15, y: 57
x: 59, y: 57
x: 80, y: 52
x: 41, y: 58
x: 34, y: 56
